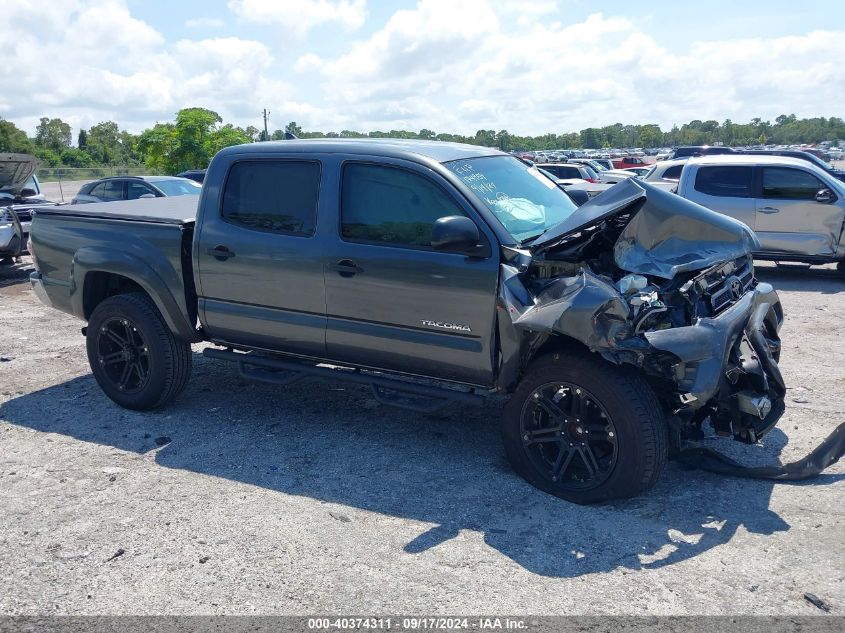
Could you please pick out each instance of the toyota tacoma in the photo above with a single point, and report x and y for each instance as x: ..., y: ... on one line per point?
x: 621, y: 329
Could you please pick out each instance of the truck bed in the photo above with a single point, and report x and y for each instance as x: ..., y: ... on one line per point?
x: 180, y: 210
x: 86, y: 251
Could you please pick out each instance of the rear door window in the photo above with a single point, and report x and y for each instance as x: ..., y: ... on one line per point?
x: 113, y: 191
x: 277, y: 196
x: 389, y: 205
x: 726, y: 182
x: 785, y: 183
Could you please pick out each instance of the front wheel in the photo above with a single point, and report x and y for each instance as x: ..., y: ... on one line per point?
x: 584, y: 430
x: 135, y: 358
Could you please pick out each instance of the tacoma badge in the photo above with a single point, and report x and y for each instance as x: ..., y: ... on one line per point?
x: 447, y: 326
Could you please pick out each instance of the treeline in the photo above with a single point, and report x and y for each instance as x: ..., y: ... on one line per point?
x: 197, y: 134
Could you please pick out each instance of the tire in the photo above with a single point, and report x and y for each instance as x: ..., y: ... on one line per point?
x: 608, y: 442
x: 841, y: 267
x: 135, y: 358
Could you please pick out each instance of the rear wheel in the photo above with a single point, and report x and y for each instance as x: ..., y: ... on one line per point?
x: 584, y: 430
x: 135, y: 358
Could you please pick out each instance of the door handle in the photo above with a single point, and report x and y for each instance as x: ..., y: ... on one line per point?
x: 220, y: 252
x: 346, y: 268
x: 769, y: 210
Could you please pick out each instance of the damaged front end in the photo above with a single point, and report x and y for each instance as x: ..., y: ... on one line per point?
x: 648, y: 279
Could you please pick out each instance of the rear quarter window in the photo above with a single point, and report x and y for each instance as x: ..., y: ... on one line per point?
x: 725, y: 182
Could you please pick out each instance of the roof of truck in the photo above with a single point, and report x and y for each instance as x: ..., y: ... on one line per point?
x: 748, y: 159
x: 439, y: 151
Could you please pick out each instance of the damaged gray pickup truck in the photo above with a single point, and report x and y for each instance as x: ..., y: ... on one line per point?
x: 433, y: 273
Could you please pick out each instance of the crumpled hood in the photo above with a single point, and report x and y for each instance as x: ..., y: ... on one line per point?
x: 667, y: 234
x: 15, y: 170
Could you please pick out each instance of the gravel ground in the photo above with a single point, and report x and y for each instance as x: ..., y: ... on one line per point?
x: 244, y: 498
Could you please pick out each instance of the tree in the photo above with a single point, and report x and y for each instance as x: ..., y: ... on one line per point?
x: 190, y: 142
x: 75, y: 157
x: 53, y: 134
x: 294, y: 129
x: 82, y: 139
x: 426, y: 134
x: 13, y: 139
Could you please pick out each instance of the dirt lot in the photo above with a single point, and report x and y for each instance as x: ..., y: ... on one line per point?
x: 245, y: 498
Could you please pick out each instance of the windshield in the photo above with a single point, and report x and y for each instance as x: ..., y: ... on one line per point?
x: 181, y: 187
x: 524, y: 200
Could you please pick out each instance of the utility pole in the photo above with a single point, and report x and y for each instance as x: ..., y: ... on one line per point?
x: 266, y: 116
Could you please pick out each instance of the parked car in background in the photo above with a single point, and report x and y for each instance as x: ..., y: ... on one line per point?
x: 612, y: 176
x: 595, y: 165
x: 117, y: 188
x: 803, y: 155
x: 666, y: 171
x: 569, y: 171
x: 604, y: 162
x: 796, y: 209
x: 700, y: 150
x: 20, y: 193
x: 639, y: 172
x: 197, y: 175
x: 628, y: 161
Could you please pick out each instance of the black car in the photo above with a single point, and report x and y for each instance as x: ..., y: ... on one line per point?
x: 701, y: 150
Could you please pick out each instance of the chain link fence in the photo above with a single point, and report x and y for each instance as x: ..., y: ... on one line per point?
x: 56, y: 174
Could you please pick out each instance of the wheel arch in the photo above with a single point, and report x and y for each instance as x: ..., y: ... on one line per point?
x: 97, y: 274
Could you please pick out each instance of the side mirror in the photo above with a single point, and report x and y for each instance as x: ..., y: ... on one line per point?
x: 825, y: 196
x: 455, y: 233
x: 28, y: 193
x: 147, y: 195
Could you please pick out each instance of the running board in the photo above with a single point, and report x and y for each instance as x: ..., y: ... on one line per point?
x: 389, y: 391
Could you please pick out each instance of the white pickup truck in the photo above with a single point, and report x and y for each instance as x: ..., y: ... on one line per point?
x: 796, y: 209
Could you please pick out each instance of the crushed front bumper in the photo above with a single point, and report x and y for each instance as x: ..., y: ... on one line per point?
x: 727, y: 367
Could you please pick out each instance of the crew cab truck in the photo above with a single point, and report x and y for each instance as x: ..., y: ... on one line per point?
x: 796, y: 209
x: 435, y: 272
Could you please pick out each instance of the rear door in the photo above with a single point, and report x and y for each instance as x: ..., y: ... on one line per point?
x: 790, y: 220
x: 260, y: 277
x: 392, y: 301
x: 727, y: 189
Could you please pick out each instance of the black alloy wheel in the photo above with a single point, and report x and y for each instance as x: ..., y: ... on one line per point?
x: 568, y: 436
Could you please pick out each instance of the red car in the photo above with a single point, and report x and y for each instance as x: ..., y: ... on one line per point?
x: 628, y: 161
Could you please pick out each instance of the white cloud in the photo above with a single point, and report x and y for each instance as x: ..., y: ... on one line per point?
x: 464, y: 66
x: 444, y: 65
x: 123, y: 69
x: 302, y: 15
x: 205, y: 23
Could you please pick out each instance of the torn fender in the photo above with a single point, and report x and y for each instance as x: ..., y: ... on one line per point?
x: 584, y: 307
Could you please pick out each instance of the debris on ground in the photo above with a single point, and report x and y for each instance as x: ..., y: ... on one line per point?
x: 816, y: 601
x: 117, y: 554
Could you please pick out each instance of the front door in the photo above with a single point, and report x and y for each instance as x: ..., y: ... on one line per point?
x: 790, y: 220
x: 392, y: 301
x: 260, y: 276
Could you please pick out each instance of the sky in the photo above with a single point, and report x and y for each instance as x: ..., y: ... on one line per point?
x: 526, y: 66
